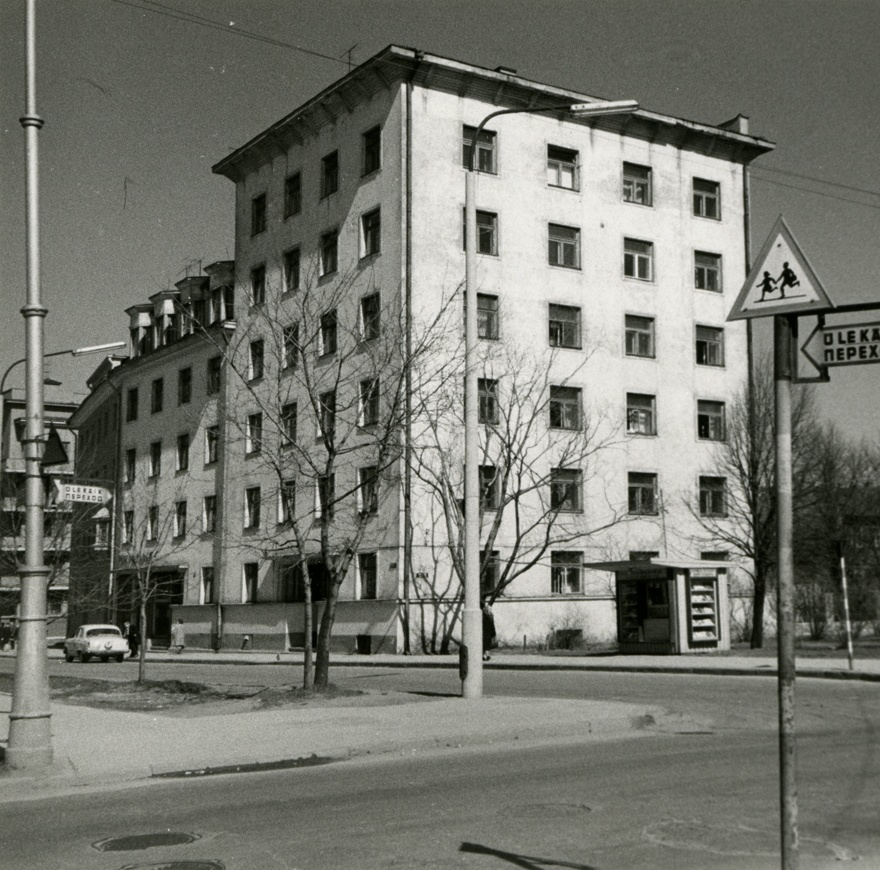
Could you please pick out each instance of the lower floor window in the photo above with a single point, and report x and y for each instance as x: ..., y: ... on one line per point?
x: 565, y: 572
x: 250, y: 577
x: 367, y: 573
x: 206, y: 587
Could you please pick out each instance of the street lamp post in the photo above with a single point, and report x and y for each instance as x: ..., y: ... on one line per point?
x: 471, y: 661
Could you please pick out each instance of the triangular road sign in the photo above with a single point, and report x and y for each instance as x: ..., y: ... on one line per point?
x: 54, y: 452
x: 782, y: 281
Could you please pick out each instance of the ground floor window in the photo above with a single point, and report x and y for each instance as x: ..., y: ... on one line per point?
x: 566, y: 572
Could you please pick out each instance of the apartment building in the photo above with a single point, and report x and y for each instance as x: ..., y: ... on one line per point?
x: 609, y: 254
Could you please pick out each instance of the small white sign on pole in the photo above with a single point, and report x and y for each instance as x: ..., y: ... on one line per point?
x: 79, y: 493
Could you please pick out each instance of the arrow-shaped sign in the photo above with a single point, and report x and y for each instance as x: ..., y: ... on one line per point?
x: 77, y: 492
x: 851, y: 344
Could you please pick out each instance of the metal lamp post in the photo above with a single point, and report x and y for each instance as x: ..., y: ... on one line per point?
x: 471, y: 661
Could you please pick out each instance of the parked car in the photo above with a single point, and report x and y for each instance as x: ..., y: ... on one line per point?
x: 104, y: 642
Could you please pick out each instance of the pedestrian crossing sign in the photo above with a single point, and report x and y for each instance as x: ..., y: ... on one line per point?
x: 782, y: 281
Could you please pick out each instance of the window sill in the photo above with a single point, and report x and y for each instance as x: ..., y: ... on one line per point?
x: 563, y: 266
x: 564, y: 187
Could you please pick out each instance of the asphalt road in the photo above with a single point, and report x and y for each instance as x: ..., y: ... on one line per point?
x: 678, y: 801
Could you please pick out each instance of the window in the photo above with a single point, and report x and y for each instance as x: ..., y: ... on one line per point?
x: 487, y: 233
x: 707, y: 199
x: 328, y: 333
x: 209, y: 514
x: 254, y: 433
x: 562, y: 167
x: 131, y: 405
x: 329, y: 174
x: 643, y: 555
x: 710, y: 346
x: 155, y: 458
x: 258, y: 214
x: 212, y: 444
x: 565, y: 326
x: 212, y: 380
x: 639, y: 336
x: 288, y: 424
x: 327, y: 407
x: 371, y: 317
x: 291, y: 583
x: 293, y: 194
x: 329, y: 252
x: 206, y: 586
x: 710, y: 420
x: 565, y: 489
x: 128, y: 527
x: 640, y: 414
x: 325, y: 495
x: 102, y: 534
x: 286, y: 501
x: 707, y: 271
x: 487, y: 316
x: 179, y: 519
x: 487, y: 397
x: 291, y: 270
x: 490, y: 488
x: 290, y: 339
x: 252, y: 507
x: 564, y: 246
x: 367, y: 575
x: 157, y: 391
x: 484, y: 159
x: 565, y: 572
x: 368, y: 489
x: 184, y: 386
x: 258, y: 285
x: 714, y: 555
x: 371, y: 151
x: 642, y: 493
x: 713, y: 500
x: 371, y: 233
x: 638, y: 259
x: 250, y: 576
x: 637, y: 184
x: 490, y: 571
x: 256, y: 355
x: 565, y: 408
x: 182, y: 463
x: 129, y: 470
x: 152, y: 523
x: 369, y: 396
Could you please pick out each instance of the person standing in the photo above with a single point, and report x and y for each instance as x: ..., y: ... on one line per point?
x: 488, y: 629
x: 178, y: 636
x: 134, y: 639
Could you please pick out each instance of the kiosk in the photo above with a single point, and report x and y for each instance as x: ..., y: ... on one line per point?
x: 670, y: 607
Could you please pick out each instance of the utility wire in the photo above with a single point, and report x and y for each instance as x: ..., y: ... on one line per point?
x: 817, y: 192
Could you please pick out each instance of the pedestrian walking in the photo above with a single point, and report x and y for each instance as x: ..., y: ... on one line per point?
x: 178, y: 636
x: 132, y: 635
x: 488, y: 629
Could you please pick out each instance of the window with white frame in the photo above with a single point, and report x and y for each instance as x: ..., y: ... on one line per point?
x: 710, y: 420
x: 328, y: 333
x: 291, y: 270
x: 371, y: 151
x: 288, y: 423
x: 286, y: 501
x: 290, y: 578
x: 153, y: 523
x: 129, y: 467
x: 639, y: 335
x: 157, y: 391
x: 565, y: 490
x: 329, y: 174
x: 212, y: 444
x: 487, y: 401
x: 564, y: 246
x: 709, y: 346
x: 368, y: 489
x: 102, y: 533
x: 566, y: 570
x: 713, y: 496
x: 707, y: 199
x: 490, y: 488
x: 325, y: 495
x: 293, y: 194
x: 252, y: 507
x: 329, y: 251
x: 638, y: 184
x: 258, y: 214
x: 256, y: 357
x: 206, y: 585
x: 641, y: 416
x: 371, y: 233
x: 209, y: 514
x: 184, y: 386
x: 565, y: 407
x: 707, y: 271
x: 484, y: 158
x: 254, y: 433
x: 258, y: 285
x: 642, y: 491
x: 638, y: 259
x: 562, y: 167
x: 487, y: 316
x: 327, y: 412
x: 369, y: 402
x: 487, y: 233
x: 371, y: 317
x: 565, y: 326
x: 155, y: 458
x: 212, y: 379
x: 182, y: 452
x: 367, y: 575
x: 128, y: 527
x: 290, y: 338
x: 179, y: 519
x: 250, y: 578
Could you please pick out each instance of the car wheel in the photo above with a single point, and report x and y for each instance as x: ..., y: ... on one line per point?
x: 120, y: 657
x: 83, y: 657
x: 68, y: 657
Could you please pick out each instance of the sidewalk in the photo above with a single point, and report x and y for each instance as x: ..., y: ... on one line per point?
x: 93, y: 746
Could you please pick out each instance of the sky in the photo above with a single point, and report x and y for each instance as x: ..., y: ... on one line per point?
x: 141, y: 98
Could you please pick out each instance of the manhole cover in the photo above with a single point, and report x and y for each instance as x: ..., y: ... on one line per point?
x: 177, y: 865
x: 136, y: 842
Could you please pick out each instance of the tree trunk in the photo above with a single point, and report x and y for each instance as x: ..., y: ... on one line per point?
x: 142, y: 654
x: 758, y: 601
x: 308, y: 661
x: 322, y: 654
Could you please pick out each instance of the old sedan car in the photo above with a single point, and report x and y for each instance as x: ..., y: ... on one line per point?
x: 104, y: 642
